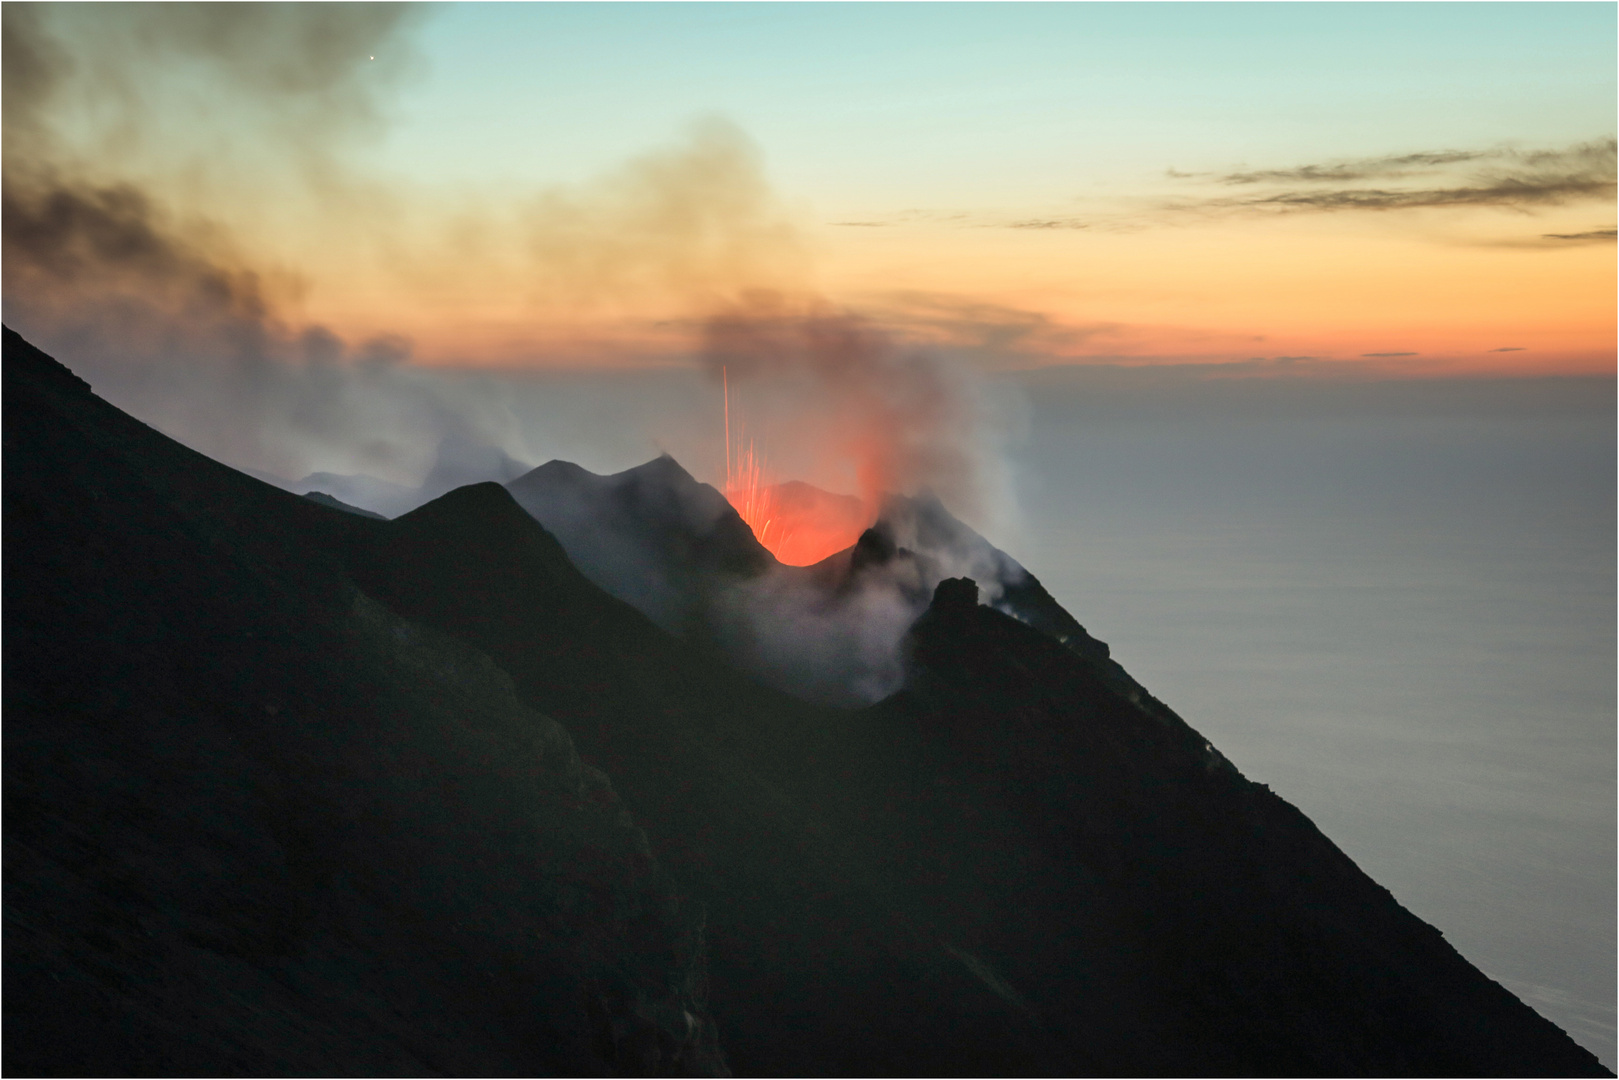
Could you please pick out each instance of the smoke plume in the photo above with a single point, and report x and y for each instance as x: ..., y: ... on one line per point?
x: 161, y: 161
x: 846, y: 397
x: 158, y: 305
x: 164, y: 162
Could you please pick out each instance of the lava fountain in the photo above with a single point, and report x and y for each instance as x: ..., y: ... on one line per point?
x: 798, y: 523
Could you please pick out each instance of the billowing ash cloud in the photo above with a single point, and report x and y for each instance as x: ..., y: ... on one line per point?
x: 156, y: 308
x: 135, y: 135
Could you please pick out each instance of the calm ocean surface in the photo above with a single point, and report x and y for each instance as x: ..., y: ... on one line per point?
x: 1398, y: 614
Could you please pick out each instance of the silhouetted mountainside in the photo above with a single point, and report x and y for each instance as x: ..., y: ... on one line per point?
x: 257, y: 823
x: 282, y: 795
x: 1281, y: 957
x: 360, y: 491
x: 338, y: 504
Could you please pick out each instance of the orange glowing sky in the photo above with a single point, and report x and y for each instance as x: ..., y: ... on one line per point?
x: 1415, y: 189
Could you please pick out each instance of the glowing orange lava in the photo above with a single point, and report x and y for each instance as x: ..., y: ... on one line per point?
x: 797, y: 523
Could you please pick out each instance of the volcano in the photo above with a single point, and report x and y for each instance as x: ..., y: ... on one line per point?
x: 294, y: 789
x: 683, y: 555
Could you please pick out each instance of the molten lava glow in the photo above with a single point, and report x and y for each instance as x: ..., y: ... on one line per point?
x: 797, y: 523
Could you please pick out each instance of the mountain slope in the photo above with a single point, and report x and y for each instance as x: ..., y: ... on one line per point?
x: 1274, y: 952
x: 255, y: 822
x: 1019, y: 864
x: 1013, y: 866
x: 652, y: 535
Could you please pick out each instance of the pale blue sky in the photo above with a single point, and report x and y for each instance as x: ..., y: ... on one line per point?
x: 883, y: 107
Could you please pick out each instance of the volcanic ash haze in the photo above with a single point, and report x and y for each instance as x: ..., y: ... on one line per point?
x: 165, y: 263
x: 120, y: 250
x: 238, y: 275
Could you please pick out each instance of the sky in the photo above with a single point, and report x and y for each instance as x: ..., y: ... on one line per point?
x: 1388, y: 189
x: 994, y: 172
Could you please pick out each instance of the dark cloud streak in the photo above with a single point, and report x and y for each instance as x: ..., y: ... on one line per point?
x: 1520, y: 181
x: 1393, y: 165
x: 1589, y: 236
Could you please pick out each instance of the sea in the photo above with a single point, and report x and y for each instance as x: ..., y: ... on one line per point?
x: 1393, y: 602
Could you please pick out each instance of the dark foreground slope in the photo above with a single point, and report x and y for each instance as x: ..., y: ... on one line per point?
x: 1019, y: 864
x: 256, y: 823
x: 1013, y: 866
x: 1273, y: 952
x: 1008, y: 868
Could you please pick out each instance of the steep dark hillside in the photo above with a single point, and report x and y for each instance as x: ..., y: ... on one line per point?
x: 1272, y: 951
x: 824, y: 957
x: 283, y: 797
x: 257, y: 823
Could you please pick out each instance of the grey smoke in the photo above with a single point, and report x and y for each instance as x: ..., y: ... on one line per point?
x: 898, y: 417
x: 112, y: 269
x: 156, y: 306
x: 151, y: 304
x: 833, y: 632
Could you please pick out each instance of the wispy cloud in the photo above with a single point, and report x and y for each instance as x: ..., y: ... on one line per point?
x: 1502, y: 178
x: 1495, y: 178
x: 904, y: 217
x: 1589, y: 236
x: 1388, y: 354
x: 1510, y: 348
x: 1049, y: 223
x: 984, y: 333
x: 1377, y: 168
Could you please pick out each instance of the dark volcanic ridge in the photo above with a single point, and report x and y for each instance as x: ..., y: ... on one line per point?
x: 676, y: 550
x: 290, y: 789
x: 338, y: 504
